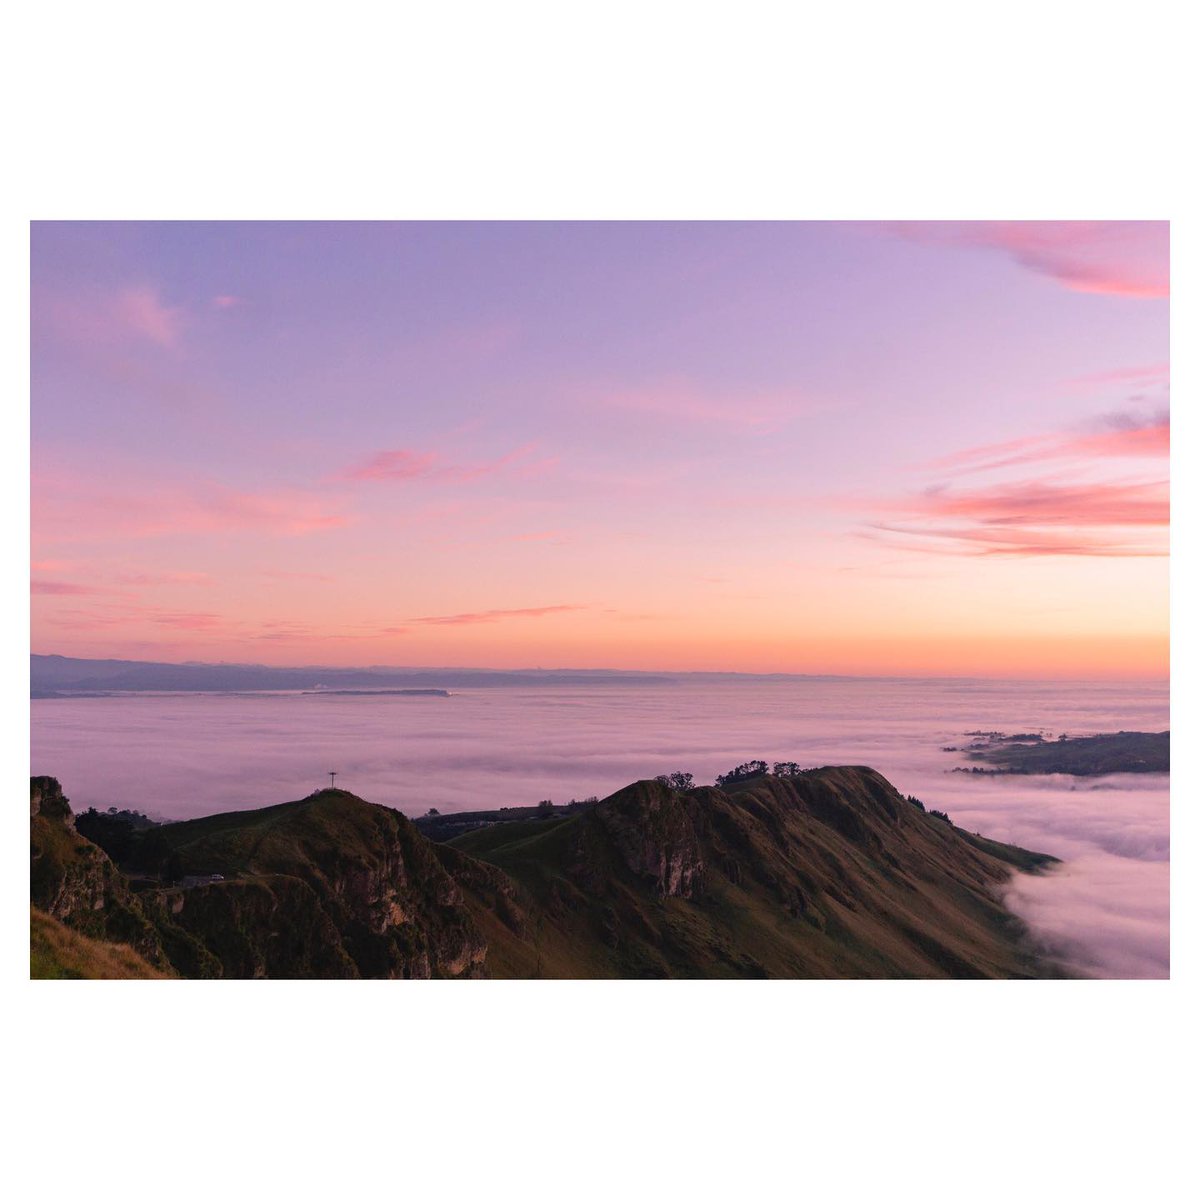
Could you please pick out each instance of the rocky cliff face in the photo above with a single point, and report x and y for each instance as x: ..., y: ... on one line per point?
x: 329, y: 887
x: 46, y: 799
x: 657, y: 833
x: 75, y: 882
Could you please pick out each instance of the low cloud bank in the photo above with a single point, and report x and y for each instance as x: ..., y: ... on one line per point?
x: 1108, y: 917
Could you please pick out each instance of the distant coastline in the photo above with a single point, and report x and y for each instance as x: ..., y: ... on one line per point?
x: 56, y: 676
x: 1126, y: 752
x: 376, y: 692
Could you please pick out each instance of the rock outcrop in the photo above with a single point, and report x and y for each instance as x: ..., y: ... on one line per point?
x: 657, y: 833
x: 75, y: 882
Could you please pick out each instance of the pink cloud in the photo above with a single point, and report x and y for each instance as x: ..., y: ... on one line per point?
x: 54, y: 587
x: 681, y: 401
x: 71, y: 508
x: 406, y: 466
x: 226, y: 301
x: 1119, y: 435
x: 490, y: 616
x: 1151, y: 438
x: 280, y: 512
x: 130, y: 314
x: 1155, y: 373
x: 282, y: 631
x: 157, y: 578
x: 197, y: 621
x: 106, y: 616
x: 1015, y: 542
x: 142, y: 313
x: 1033, y: 518
x: 1038, y: 503
x: 1116, y: 258
x: 394, y: 464
x: 546, y: 535
x: 1074, y: 513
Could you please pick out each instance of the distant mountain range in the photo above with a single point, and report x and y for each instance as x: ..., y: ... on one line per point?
x: 52, y: 675
x: 831, y: 873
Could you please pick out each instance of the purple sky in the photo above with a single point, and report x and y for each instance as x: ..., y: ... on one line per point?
x: 869, y: 448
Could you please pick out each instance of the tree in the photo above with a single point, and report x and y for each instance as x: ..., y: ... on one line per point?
x: 681, y: 781
x: 433, y: 812
x: 747, y: 770
x: 787, y: 770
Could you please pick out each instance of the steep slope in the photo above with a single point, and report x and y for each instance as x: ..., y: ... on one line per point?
x: 56, y: 952
x: 74, y: 881
x: 830, y: 875
x: 330, y: 887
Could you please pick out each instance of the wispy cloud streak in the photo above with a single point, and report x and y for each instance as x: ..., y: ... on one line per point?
x: 491, y: 615
x: 74, y: 508
x: 1075, y: 512
x: 133, y: 314
x: 416, y: 466
x: 1115, y: 258
x: 1120, y: 435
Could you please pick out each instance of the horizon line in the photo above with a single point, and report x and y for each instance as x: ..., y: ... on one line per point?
x: 632, y: 671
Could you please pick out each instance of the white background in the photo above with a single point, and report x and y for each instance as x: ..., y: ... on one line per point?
x: 539, y: 110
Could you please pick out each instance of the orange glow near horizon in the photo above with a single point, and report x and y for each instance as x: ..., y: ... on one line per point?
x: 925, y: 450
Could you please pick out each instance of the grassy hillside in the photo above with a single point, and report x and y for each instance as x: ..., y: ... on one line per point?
x: 832, y: 874
x: 56, y: 952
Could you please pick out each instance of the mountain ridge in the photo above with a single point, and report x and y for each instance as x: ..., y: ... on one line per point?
x: 832, y: 874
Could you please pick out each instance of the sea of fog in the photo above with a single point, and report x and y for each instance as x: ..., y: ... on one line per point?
x: 1105, y: 910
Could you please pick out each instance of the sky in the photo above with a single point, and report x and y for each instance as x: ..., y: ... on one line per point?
x: 920, y: 449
